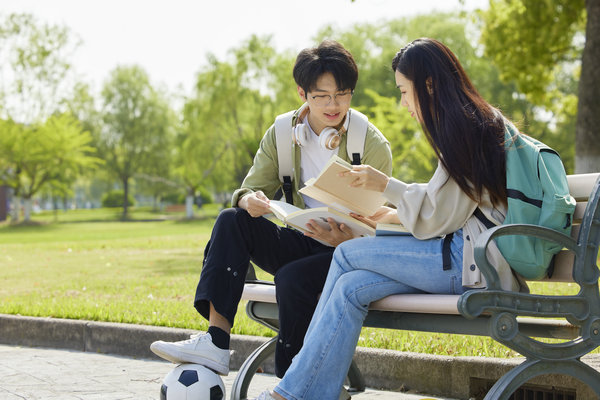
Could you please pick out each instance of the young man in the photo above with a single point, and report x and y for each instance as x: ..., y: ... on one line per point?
x: 326, y: 77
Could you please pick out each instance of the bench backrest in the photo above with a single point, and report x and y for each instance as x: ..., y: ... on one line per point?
x: 581, y: 187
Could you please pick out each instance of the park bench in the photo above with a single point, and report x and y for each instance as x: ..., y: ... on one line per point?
x: 517, y: 320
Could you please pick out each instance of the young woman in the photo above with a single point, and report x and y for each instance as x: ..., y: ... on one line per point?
x: 467, y: 135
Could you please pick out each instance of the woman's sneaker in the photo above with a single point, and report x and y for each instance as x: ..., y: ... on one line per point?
x: 266, y: 395
x: 344, y: 395
x: 198, y: 349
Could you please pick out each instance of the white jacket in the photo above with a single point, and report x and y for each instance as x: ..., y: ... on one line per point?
x: 440, y: 207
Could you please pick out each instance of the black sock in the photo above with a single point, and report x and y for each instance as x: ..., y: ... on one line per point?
x: 220, y: 338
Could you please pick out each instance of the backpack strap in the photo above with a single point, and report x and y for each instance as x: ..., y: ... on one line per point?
x: 357, y: 132
x: 447, y: 252
x: 483, y: 219
x: 283, y: 139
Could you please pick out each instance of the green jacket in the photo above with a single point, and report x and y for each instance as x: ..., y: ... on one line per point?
x: 264, y: 173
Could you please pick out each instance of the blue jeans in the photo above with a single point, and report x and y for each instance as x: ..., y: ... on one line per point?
x: 362, y: 271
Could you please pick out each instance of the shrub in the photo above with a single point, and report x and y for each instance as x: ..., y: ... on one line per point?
x: 114, y: 198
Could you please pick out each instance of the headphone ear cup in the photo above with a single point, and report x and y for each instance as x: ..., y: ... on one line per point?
x: 329, y: 138
x: 300, y: 134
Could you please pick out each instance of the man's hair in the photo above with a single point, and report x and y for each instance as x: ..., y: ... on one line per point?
x: 329, y: 56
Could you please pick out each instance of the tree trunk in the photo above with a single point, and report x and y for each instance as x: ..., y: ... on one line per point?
x: 189, y: 206
x: 15, y: 209
x: 27, y: 209
x: 587, y: 143
x: 125, y: 197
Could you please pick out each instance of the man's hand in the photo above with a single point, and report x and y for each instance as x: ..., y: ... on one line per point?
x: 335, y: 235
x: 257, y: 204
x: 367, y: 177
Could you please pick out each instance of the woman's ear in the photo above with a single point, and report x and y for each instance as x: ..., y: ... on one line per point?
x: 301, y: 93
x: 429, y: 83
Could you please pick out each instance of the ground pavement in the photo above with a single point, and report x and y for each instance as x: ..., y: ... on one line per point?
x: 34, y: 373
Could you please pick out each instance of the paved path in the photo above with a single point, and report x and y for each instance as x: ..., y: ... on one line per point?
x: 41, y: 373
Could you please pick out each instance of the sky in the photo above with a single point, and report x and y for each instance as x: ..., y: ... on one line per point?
x: 171, y: 38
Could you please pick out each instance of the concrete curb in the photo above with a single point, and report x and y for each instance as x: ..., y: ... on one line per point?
x: 454, y: 377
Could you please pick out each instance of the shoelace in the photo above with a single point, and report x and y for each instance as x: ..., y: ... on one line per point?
x: 266, y: 395
x: 196, y: 337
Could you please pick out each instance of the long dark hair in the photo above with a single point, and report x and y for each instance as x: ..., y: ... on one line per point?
x: 466, y: 132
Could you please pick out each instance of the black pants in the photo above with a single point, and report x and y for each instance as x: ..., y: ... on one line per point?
x: 299, y: 263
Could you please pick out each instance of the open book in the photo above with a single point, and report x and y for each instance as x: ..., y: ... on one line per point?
x: 298, y: 218
x: 336, y: 192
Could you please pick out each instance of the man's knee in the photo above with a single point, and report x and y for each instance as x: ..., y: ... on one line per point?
x: 231, y: 215
x: 284, y: 280
x: 235, y: 219
x: 290, y: 279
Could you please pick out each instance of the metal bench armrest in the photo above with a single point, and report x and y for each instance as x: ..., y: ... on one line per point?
x: 483, y: 241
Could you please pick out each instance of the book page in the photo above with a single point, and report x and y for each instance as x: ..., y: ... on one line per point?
x: 320, y: 214
x: 281, y: 209
x: 343, y: 203
x: 329, y: 188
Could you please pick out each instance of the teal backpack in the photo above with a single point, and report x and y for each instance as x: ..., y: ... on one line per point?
x: 538, y: 194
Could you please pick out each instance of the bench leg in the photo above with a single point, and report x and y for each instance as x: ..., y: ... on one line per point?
x: 356, y: 382
x: 519, y: 375
x: 239, y: 390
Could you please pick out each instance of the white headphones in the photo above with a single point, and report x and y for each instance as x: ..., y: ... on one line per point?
x: 329, y: 138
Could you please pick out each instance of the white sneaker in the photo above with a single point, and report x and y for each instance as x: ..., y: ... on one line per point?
x: 344, y: 395
x: 266, y: 395
x: 198, y: 349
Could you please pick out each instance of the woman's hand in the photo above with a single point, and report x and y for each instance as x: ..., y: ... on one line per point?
x: 367, y: 177
x: 257, y: 204
x: 335, y: 235
x: 384, y: 215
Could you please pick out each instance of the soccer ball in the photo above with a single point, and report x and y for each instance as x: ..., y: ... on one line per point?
x: 192, y: 382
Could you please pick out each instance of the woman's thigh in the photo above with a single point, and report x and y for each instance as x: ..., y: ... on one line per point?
x: 405, y: 259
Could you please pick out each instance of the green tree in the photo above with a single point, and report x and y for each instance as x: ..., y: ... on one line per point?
x: 374, y: 46
x: 10, y: 148
x: 35, y: 66
x: 53, y: 152
x: 136, y: 133
x: 546, y: 47
x: 36, y: 77
x: 234, y: 103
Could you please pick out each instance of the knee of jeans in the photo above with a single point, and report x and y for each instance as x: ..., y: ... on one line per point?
x: 348, y: 288
x: 340, y: 259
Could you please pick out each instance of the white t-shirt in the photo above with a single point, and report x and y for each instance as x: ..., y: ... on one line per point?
x: 313, y: 159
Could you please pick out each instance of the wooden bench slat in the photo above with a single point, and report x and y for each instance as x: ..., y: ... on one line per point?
x: 579, y: 211
x: 259, y: 292
x: 418, y: 303
x: 412, y: 303
x: 581, y: 185
x: 563, y: 267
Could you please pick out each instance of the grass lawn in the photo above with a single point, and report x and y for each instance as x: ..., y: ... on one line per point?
x: 86, y: 264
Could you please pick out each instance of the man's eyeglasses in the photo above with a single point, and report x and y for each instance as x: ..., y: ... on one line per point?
x: 342, y: 99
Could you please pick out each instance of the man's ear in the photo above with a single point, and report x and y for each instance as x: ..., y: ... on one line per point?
x: 429, y: 83
x: 301, y: 93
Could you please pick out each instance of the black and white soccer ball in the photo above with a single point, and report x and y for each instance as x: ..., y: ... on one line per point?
x: 192, y: 382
